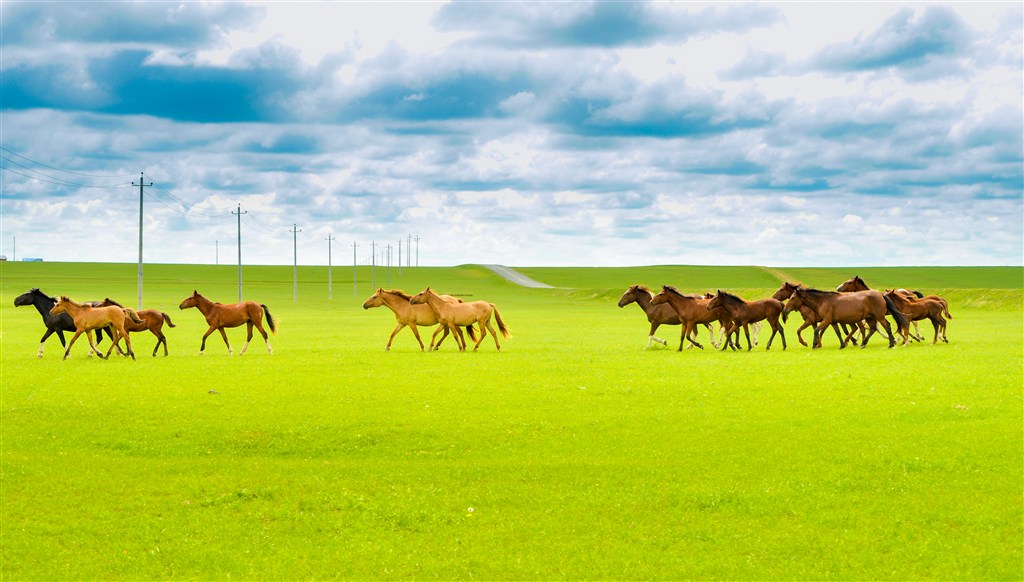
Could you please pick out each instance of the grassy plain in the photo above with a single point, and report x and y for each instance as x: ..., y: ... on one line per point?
x: 572, y: 454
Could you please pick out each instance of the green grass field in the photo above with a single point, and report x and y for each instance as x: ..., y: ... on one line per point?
x: 572, y: 454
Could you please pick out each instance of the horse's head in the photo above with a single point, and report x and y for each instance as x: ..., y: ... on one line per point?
x: 853, y: 284
x: 29, y: 297
x: 375, y: 300
x: 716, y: 301
x: 61, y: 306
x: 786, y: 291
x: 421, y: 297
x: 632, y: 294
x: 661, y: 296
x: 190, y: 301
x: 795, y: 302
x: 107, y: 302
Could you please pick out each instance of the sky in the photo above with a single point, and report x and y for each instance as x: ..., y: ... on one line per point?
x: 516, y: 133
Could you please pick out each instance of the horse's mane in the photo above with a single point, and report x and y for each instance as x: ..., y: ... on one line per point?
x: 819, y: 292
x: 643, y: 288
x: 730, y: 297
x: 672, y: 289
x: 398, y: 292
x: 112, y: 302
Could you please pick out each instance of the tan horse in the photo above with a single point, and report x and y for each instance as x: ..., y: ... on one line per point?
x: 918, y: 309
x: 692, y: 310
x: 453, y: 315
x: 411, y: 315
x: 152, y: 320
x: 88, y: 318
x: 220, y: 316
x: 744, y: 312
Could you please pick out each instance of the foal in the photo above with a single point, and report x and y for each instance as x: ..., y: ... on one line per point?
x: 745, y: 312
x: 88, y: 318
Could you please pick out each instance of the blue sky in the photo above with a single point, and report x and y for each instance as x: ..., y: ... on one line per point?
x: 790, y: 134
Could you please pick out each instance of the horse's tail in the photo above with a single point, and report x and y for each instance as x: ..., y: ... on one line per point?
x: 918, y: 294
x: 167, y: 318
x: 785, y: 314
x: 270, y: 319
x: 501, y: 324
x: 132, y: 315
x: 469, y: 330
x: 945, y: 309
x: 901, y: 321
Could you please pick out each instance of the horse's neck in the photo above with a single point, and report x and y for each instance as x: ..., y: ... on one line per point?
x: 203, y: 304
x: 644, y: 301
x: 397, y: 303
x: 42, y: 307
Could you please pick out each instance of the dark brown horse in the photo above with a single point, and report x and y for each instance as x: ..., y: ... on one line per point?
x: 851, y: 308
x: 221, y: 315
x: 152, y: 320
x: 744, y: 313
x: 810, y: 318
x: 918, y: 309
x: 691, y: 310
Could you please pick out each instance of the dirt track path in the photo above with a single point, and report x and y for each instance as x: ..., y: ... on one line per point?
x: 517, y: 277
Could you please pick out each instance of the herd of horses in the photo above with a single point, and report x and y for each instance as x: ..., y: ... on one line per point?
x: 852, y: 308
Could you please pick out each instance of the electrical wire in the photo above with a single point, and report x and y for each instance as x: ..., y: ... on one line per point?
x: 65, y: 171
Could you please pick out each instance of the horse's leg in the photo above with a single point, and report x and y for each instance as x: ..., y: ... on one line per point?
x: 653, y: 338
x: 757, y: 330
x: 494, y: 335
x: 397, y: 329
x: 92, y: 343
x: 48, y: 333
x: 224, y: 335
x: 484, y: 323
x: 67, y: 351
x: 416, y: 333
x: 263, y: 332
x: 746, y: 332
x: 202, y: 346
x: 248, y: 337
x: 872, y: 328
x: 442, y: 329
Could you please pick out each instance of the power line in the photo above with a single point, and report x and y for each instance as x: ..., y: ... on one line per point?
x: 13, y: 153
x: 57, y: 181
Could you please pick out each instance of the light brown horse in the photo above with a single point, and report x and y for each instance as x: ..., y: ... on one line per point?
x: 453, y: 315
x: 411, y: 315
x: 834, y: 307
x: 744, y: 312
x: 657, y: 315
x: 692, y: 310
x: 88, y: 318
x: 152, y: 320
x: 221, y: 315
x: 918, y: 309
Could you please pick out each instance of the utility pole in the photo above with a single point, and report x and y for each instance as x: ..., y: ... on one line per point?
x: 239, y: 214
x: 295, y: 230
x: 330, y: 283
x: 373, y: 261
x: 355, y: 272
x: 14, y: 253
x: 417, y: 238
x: 399, y: 257
x: 408, y: 251
x: 216, y: 252
x: 142, y: 184
x: 388, y: 259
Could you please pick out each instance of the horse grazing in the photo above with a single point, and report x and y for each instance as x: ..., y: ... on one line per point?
x: 453, y: 315
x: 850, y: 308
x: 411, y: 315
x: 54, y: 323
x: 657, y: 315
x: 744, y: 312
x: 692, y: 310
x: 220, y: 316
x: 88, y: 318
x: 152, y: 320
x: 918, y: 309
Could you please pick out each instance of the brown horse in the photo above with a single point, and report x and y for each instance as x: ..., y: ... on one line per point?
x: 692, y: 310
x: 810, y: 318
x: 453, y: 315
x: 855, y: 283
x: 657, y: 315
x: 411, y: 315
x: 744, y: 312
x: 220, y: 316
x: 152, y: 320
x: 918, y: 309
x: 833, y: 307
x: 88, y: 318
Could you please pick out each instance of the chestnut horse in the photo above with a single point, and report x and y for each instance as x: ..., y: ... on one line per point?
x: 221, y: 315
x: 810, y: 318
x: 744, y: 312
x: 657, y: 315
x: 855, y: 283
x: 692, y: 311
x: 411, y: 315
x: 88, y: 318
x: 918, y: 309
x: 453, y: 315
x: 833, y: 307
x: 152, y: 320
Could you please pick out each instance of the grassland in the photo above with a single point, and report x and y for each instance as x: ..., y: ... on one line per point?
x: 581, y: 455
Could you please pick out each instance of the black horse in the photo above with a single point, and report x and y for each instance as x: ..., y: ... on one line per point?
x: 54, y: 323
